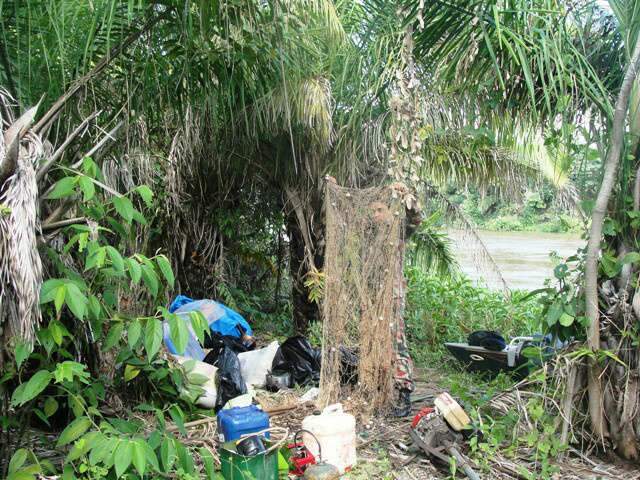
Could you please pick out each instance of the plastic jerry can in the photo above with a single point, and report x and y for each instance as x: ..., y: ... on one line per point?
x: 335, y: 431
x: 452, y: 411
x: 238, y: 421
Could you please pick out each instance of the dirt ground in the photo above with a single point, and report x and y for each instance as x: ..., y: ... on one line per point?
x: 385, y: 448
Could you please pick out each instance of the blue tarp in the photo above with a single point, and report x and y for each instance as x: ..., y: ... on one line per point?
x: 221, y: 319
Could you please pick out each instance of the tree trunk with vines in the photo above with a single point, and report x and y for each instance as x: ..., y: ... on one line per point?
x: 612, y: 407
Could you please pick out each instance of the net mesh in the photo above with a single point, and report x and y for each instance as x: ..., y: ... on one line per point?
x: 363, y: 268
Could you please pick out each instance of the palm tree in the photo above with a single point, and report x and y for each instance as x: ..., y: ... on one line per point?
x: 544, y: 63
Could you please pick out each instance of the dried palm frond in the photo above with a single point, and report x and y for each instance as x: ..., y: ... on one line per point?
x: 20, y: 265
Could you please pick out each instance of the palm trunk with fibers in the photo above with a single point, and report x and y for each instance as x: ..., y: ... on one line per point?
x: 304, y: 311
x: 20, y: 265
x: 593, y: 247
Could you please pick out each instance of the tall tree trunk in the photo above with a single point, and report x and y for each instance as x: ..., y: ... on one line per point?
x: 595, y: 235
x: 304, y: 311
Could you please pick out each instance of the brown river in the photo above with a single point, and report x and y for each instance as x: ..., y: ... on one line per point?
x: 523, y: 257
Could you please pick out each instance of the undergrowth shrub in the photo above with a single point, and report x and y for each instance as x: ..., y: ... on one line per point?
x: 446, y: 310
x: 97, y: 369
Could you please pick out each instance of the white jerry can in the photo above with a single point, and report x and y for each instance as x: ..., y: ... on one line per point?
x: 335, y: 430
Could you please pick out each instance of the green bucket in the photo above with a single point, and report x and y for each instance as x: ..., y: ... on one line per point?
x: 263, y: 466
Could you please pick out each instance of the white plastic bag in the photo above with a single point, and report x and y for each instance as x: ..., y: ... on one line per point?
x: 255, y: 365
x: 208, y: 398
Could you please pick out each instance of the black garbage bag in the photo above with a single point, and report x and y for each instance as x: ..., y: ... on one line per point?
x: 300, y: 359
x: 217, y: 343
x: 229, y: 381
x: 487, y: 339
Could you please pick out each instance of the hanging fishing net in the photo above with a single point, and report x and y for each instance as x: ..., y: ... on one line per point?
x: 363, y: 296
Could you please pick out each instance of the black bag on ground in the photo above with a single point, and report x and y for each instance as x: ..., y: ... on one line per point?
x: 488, y: 339
x: 229, y: 381
x: 217, y: 343
x: 300, y: 359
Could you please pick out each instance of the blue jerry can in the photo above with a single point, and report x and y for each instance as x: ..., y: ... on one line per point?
x: 238, y: 421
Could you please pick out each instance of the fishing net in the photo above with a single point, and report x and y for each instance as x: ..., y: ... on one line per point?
x: 362, y: 298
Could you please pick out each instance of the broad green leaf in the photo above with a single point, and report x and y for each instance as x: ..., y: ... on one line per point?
x: 631, y: 257
x: 566, y: 320
x: 87, y: 187
x: 138, y: 217
x: 63, y: 188
x: 21, y: 476
x: 18, y: 459
x: 152, y: 337
x: 139, y: 456
x: 209, y: 463
x: 114, y: 336
x: 133, y: 334
x: 94, y: 307
x: 130, y: 372
x: 61, y: 294
x: 116, y: 259
x: 135, y: 272
x: 184, y: 458
x: 29, y: 390
x: 150, y: 455
x: 178, y: 417
x: 22, y: 351
x: 179, y: 333
x: 199, y: 325
x: 146, y: 194
x: 102, y: 450
x: 48, y: 291
x: 58, y: 331
x: 96, y: 259
x: 197, y: 378
x: 167, y: 454
x: 50, y: 406
x: 165, y: 268
x: 555, y: 310
x: 122, y: 457
x: 77, y: 405
x: 79, y: 448
x: 76, y: 301
x: 73, y: 431
x: 124, y: 207
x: 68, y: 370
x: 150, y: 279
x: 90, y: 167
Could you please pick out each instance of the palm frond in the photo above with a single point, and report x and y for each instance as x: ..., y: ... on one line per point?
x: 430, y: 248
x: 481, y: 256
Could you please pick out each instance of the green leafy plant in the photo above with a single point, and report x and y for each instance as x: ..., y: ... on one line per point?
x: 56, y: 381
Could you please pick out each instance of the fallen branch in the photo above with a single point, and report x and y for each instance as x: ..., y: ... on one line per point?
x: 62, y: 223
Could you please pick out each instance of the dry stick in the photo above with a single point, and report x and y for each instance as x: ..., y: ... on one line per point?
x: 195, y: 423
x: 111, y: 135
x: 63, y: 223
x: 101, y: 65
x: 595, y: 235
x: 44, y: 168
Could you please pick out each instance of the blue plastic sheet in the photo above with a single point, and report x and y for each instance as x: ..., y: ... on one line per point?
x: 221, y: 319
x: 178, y: 302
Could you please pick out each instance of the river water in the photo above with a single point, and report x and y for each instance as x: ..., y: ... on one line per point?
x: 523, y: 257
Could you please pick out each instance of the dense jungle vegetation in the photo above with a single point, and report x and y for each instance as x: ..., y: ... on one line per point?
x: 157, y: 147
